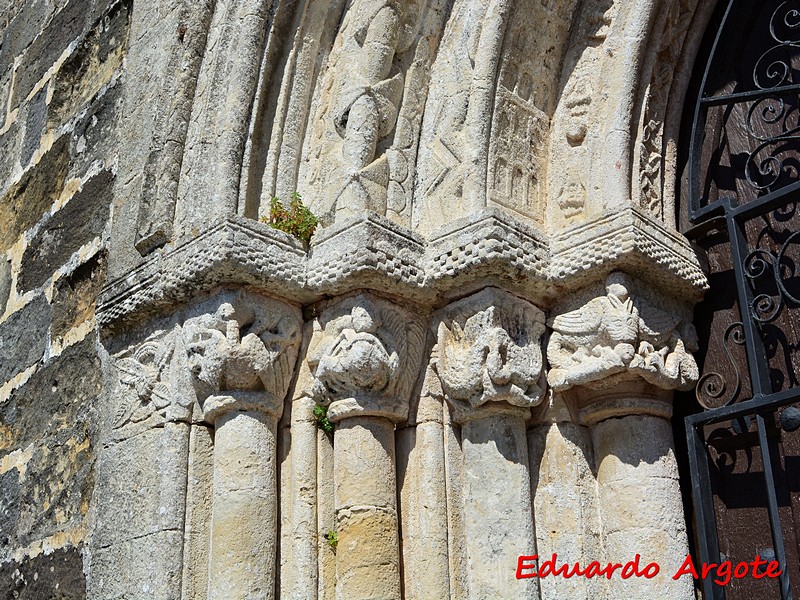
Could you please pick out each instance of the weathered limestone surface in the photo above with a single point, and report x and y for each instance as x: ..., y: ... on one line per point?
x: 565, y: 503
x: 490, y: 177
x: 490, y: 364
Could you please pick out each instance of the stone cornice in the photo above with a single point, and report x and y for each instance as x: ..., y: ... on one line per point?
x: 489, y: 248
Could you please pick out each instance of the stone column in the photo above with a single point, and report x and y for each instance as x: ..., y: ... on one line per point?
x: 641, y: 509
x: 241, y: 381
x: 244, y: 500
x: 365, y: 362
x: 423, y: 497
x: 490, y: 365
x: 564, y: 498
x: 619, y: 355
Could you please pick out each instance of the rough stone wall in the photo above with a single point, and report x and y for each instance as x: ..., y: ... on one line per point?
x: 61, y: 74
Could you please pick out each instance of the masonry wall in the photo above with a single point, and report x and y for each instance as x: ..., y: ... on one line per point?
x: 61, y: 76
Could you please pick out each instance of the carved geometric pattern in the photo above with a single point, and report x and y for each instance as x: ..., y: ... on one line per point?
x: 374, y: 253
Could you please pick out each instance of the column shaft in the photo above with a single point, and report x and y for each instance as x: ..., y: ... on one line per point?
x: 367, y: 556
x: 244, y: 506
x: 565, y: 504
x: 497, y: 504
x: 421, y: 473
x: 640, y: 504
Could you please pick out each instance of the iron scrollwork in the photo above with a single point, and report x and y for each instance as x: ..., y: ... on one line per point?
x: 772, y: 72
x: 712, y: 390
x: 761, y: 263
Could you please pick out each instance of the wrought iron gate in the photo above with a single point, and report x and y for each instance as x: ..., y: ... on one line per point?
x: 743, y: 195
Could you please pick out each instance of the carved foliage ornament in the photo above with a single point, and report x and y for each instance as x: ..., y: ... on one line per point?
x: 247, y: 343
x: 147, y: 375
x: 617, y: 333
x: 489, y: 351
x: 363, y: 358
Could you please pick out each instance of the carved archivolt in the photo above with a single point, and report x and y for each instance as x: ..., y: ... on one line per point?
x: 618, y: 333
x: 489, y: 350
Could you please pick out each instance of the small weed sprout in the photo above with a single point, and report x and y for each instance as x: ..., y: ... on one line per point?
x: 333, y: 539
x: 321, y: 416
x: 296, y: 220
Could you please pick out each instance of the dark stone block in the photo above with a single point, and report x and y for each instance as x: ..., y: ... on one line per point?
x: 5, y: 283
x: 54, y: 411
x: 58, y: 484
x: 23, y: 338
x: 9, y: 508
x: 21, y: 31
x: 58, y: 398
x: 56, y: 576
x: 34, y: 126
x: 66, y: 26
x: 97, y: 130
x: 81, y: 220
x: 91, y: 65
x: 10, y: 143
x: 75, y: 295
x: 28, y: 200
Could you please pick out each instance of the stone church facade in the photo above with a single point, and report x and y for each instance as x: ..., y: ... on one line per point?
x: 496, y: 309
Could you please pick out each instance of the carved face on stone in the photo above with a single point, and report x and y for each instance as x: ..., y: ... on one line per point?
x: 494, y: 356
x: 355, y: 357
x: 242, y: 346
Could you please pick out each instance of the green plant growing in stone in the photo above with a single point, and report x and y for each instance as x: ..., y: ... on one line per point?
x: 321, y: 416
x: 296, y: 220
x: 333, y: 539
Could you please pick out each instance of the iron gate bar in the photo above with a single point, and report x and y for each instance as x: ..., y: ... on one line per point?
x: 702, y: 494
x: 747, y: 407
x: 772, y: 507
x: 764, y: 204
x: 695, y: 149
x: 730, y: 218
x: 754, y: 344
x: 740, y: 97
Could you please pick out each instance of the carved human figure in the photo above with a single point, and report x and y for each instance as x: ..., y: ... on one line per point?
x: 146, y: 372
x: 615, y: 333
x: 367, y: 104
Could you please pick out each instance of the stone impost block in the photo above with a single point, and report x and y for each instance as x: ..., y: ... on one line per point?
x: 371, y: 252
x: 236, y: 251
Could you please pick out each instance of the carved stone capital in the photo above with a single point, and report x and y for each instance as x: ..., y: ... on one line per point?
x: 489, y: 354
x: 364, y: 357
x: 242, y: 354
x: 621, y: 332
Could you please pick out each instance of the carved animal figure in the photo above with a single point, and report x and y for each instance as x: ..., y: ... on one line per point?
x: 615, y: 333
